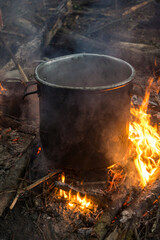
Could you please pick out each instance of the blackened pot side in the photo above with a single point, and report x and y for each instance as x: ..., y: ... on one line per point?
x: 84, y: 110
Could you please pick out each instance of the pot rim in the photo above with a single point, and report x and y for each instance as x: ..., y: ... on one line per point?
x: 105, y: 88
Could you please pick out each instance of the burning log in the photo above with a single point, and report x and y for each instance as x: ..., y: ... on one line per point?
x: 97, y: 197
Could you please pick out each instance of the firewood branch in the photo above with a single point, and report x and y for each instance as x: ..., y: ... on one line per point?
x: 33, y: 185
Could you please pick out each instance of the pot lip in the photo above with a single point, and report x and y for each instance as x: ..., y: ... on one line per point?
x: 104, y: 88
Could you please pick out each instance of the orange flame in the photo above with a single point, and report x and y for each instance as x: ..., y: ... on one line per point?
x: 2, y: 89
x: 145, y: 139
x: 73, y: 199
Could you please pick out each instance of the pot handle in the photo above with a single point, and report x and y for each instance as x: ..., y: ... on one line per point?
x: 26, y: 88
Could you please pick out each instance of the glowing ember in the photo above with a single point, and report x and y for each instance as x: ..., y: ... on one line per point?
x: 2, y: 89
x: 73, y: 199
x: 15, y: 140
x: 39, y: 150
x: 116, y: 177
x: 145, y: 139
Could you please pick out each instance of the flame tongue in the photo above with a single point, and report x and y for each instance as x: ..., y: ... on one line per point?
x: 145, y: 139
x: 73, y: 199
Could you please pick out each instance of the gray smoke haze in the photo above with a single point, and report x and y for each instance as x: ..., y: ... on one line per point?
x: 81, y: 128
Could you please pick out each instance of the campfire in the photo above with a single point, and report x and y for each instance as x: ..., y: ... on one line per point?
x: 92, y: 197
x: 79, y: 145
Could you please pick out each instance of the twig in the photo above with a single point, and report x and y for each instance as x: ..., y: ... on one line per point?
x: 67, y: 187
x: 134, y: 8
x: 33, y: 185
x: 136, y: 233
x: 12, y: 33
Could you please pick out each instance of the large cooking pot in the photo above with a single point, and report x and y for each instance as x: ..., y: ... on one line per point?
x: 84, y: 110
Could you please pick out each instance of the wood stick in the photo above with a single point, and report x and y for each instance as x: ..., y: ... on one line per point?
x: 41, y: 180
x: 12, y: 33
x: 33, y: 185
x: 99, y: 198
x: 67, y: 187
x: 138, y: 6
x: 14, y: 60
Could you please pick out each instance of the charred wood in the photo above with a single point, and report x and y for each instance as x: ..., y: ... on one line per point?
x: 144, y: 201
x: 126, y: 227
x: 97, y: 197
x: 103, y: 224
x: 76, y: 40
x: 134, y: 53
x: 62, y: 11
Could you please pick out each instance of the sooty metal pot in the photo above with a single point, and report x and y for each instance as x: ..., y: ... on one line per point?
x: 84, y: 110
